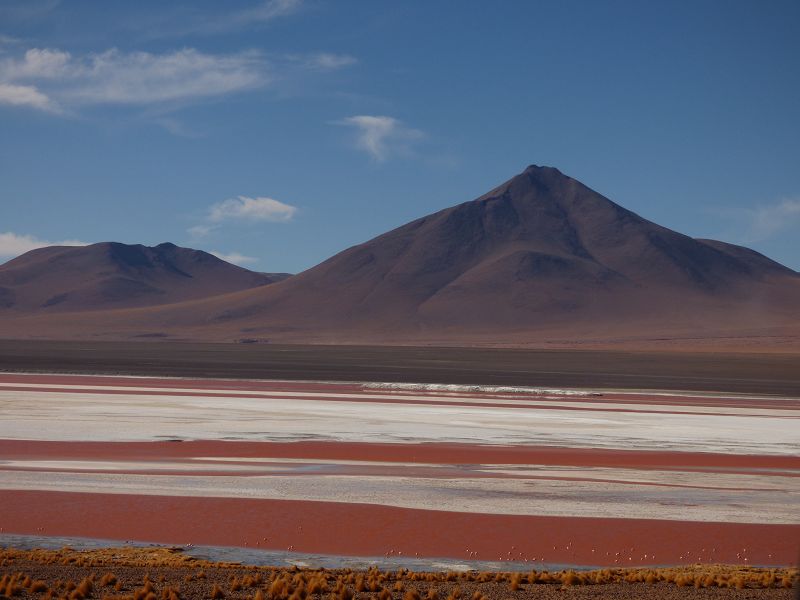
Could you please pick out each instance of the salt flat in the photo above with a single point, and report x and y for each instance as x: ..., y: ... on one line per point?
x: 115, y: 415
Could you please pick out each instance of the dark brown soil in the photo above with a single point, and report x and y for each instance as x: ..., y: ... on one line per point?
x: 704, y: 371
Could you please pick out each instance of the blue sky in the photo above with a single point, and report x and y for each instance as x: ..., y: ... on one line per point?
x: 278, y: 132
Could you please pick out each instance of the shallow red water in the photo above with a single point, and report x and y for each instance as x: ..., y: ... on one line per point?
x: 431, y: 453
x: 371, y: 530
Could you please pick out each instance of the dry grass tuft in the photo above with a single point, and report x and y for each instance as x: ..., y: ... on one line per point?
x: 571, y: 578
x: 11, y: 589
x: 346, y: 594
x: 411, y: 594
x: 144, y: 592
x: 170, y: 593
x: 385, y: 594
x: 85, y: 588
x: 317, y: 585
x: 277, y: 588
x: 217, y: 593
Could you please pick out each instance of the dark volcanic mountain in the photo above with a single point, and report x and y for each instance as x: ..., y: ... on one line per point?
x: 539, y: 259
x: 541, y: 251
x: 112, y: 275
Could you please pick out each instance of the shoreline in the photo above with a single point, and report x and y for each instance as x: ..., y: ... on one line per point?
x: 137, y: 572
x: 373, y: 530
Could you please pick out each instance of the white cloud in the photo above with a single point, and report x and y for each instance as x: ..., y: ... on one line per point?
x: 382, y: 136
x: 26, y: 10
x: 143, y: 78
x: 263, y: 12
x: 26, y: 95
x: 769, y: 220
x: 251, y: 209
x: 188, y: 20
x: 185, y: 22
x: 136, y: 78
x: 235, y: 258
x: 324, y: 61
x: 13, y: 244
x: 749, y: 225
x: 178, y: 128
x: 7, y: 40
x: 199, y: 231
x: 38, y: 63
x: 242, y: 209
x: 55, y: 81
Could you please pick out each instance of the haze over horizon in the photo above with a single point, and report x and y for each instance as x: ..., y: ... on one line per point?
x: 276, y: 133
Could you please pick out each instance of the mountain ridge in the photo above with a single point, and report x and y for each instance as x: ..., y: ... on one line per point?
x: 113, y: 274
x: 539, y: 257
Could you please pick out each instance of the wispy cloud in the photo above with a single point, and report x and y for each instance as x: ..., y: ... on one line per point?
x: 762, y: 222
x: 53, y: 78
x: 8, y: 40
x: 229, y: 21
x: 769, y: 220
x: 27, y: 10
x: 251, y: 209
x: 382, y: 136
x: 26, y: 95
x: 41, y: 63
x: 14, y: 244
x: 323, y: 61
x: 177, y: 128
x: 200, y: 231
x: 235, y: 258
x: 243, y: 209
x: 56, y: 81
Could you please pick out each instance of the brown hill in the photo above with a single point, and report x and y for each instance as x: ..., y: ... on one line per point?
x: 539, y: 259
x: 111, y: 275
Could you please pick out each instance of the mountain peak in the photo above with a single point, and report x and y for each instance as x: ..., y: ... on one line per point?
x: 539, y: 249
x: 541, y: 170
x: 538, y: 184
